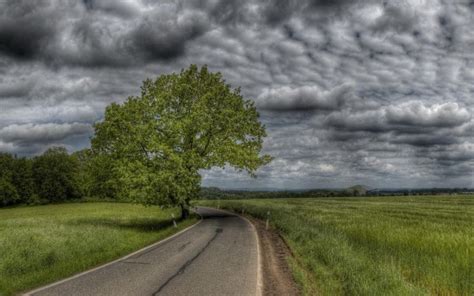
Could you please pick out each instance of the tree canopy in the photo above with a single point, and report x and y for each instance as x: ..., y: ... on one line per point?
x: 181, y: 123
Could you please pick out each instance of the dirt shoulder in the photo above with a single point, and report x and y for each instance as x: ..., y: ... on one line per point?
x: 276, y: 273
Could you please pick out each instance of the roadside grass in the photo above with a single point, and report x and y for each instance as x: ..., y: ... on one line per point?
x: 419, y: 245
x: 43, y: 244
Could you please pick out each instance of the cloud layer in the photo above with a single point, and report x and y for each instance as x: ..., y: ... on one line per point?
x: 373, y: 92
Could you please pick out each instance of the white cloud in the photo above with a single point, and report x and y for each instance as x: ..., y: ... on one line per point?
x: 437, y: 115
x: 303, y: 98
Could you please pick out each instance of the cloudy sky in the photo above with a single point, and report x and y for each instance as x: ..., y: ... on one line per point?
x: 352, y: 92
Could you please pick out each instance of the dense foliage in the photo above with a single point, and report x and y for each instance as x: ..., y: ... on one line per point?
x: 54, y: 176
x: 180, y: 124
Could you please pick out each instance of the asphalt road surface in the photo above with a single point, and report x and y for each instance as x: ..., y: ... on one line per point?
x: 218, y: 256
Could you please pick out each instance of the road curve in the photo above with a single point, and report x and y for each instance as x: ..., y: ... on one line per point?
x: 219, y: 256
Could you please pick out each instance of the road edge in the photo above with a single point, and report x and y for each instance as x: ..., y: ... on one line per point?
x: 259, y: 258
x: 30, y: 293
x: 259, y: 288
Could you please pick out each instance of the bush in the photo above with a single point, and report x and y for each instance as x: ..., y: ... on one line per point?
x: 8, y: 193
x: 54, y: 174
x: 34, y: 200
x: 22, y: 179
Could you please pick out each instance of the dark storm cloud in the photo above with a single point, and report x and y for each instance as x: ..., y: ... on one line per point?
x: 303, y: 98
x: 159, y: 37
x: 96, y: 33
x: 25, y: 28
x: 425, y: 140
x: 350, y: 91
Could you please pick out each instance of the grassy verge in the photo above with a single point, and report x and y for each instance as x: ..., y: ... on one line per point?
x: 375, y: 246
x: 45, y: 243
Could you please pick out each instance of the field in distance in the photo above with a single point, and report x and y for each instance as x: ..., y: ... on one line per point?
x: 374, y: 245
x: 42, y: 244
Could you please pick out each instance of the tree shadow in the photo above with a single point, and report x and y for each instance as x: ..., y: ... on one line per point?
x: 142, y: 225
x: 219, y: 216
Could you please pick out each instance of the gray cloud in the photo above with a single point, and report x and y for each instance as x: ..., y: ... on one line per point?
x: 417, y: 114
x: 370, y: 89
x: 122, y: 8
x: 408, y: 117
x: 27, y: 134
x: 13, y: 89
x: 396, y: 17
x: 97, y: 33
x: 303, y: 98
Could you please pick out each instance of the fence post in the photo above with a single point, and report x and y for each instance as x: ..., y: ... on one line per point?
x: 174, y: 221
x: 268, y: 220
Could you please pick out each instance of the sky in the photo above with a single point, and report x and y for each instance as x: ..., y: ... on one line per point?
x: 379, y: 93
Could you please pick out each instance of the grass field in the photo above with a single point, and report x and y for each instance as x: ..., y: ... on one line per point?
x: 44, y: 243
x: 375, y: 245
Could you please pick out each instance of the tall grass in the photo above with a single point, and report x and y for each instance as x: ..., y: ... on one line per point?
x: 45, y: 243
x: 375, y: 246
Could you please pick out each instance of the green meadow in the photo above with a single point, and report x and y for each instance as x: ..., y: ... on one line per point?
x: 42, y: 244
x: 374, y: 245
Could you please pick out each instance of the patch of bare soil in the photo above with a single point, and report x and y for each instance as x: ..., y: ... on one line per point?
x: 277, y: 278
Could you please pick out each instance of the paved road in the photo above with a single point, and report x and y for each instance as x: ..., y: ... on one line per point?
x: 219, y: 256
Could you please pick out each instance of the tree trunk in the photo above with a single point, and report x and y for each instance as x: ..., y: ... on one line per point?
x: 184, y: 211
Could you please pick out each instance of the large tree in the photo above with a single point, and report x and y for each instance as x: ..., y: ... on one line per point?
x: 180, y: 124
x: 96, y: 175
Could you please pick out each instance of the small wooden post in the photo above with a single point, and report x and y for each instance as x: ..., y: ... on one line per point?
x: 268, y: 220
x: 174, y: 221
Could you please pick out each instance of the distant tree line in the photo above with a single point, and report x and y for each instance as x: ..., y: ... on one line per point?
x: 55, y: 176
x: 217, y: 193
